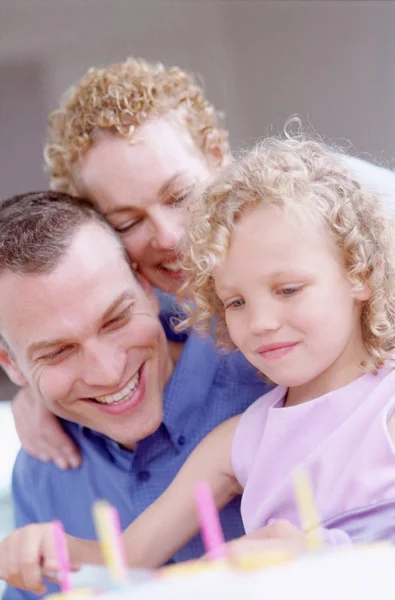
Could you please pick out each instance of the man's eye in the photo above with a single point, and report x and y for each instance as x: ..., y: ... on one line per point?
x: 53, y: 355
x: 119, y: 320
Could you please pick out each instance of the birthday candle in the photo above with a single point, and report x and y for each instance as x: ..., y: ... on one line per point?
x: 62, y: 556
x: 210, y: 525
x: 307, y: 509
x: 109, y: 533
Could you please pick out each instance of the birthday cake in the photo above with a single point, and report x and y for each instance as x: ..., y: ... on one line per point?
x: 349, y: 572
x: 352, y: 573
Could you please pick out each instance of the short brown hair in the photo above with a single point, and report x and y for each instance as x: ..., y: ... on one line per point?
x: 36, y: 229
x: 119, y: 98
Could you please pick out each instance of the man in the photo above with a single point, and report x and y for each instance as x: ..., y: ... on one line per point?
x: 82, y: 331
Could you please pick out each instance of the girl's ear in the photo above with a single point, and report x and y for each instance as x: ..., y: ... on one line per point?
x: 11, y: 368
x: 362, y: 293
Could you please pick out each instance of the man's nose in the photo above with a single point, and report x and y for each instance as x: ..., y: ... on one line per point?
x: 104, y: 366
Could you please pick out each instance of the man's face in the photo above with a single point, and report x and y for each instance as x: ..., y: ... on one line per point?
x: 87, y: 339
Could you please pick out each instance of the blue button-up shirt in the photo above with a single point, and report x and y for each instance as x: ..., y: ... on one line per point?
x: 205, y: 389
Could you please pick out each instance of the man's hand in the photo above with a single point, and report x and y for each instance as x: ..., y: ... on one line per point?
x: 40, y: 432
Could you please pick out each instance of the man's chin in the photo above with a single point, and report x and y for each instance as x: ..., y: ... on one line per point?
x: 137, y: 432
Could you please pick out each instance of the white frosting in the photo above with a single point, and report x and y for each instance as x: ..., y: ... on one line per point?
x: 364, y: 573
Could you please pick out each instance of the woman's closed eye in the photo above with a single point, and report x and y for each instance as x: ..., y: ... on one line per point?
x: 179, y: 197
x: 127, y: 226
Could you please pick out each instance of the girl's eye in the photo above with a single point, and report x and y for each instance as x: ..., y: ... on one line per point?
x: 235, y: 303
x: 290, y: 290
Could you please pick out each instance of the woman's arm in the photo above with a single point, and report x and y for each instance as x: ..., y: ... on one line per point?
x: 40, y: 432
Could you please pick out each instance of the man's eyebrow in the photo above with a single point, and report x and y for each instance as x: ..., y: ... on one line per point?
x: 45, y: 344
x: 127, y: 295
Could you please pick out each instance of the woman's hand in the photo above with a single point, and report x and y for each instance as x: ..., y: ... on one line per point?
x: 40, y: 432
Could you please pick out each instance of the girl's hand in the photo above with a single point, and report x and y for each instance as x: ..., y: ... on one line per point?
x: 280, y: 537
x: 40, y: 432
x: 26, y: 554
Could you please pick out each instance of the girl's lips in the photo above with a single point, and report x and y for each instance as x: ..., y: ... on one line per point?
x: 276, y: 351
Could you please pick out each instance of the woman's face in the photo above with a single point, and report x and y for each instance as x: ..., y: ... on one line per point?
x: 144, y: 189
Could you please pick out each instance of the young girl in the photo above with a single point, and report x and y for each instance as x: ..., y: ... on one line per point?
x: 296, y: 263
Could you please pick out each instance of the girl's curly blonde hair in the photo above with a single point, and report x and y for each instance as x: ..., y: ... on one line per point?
x: 305, y: 176
x: 119, y: 98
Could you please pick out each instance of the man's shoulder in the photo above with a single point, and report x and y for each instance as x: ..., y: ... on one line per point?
x: 29, y: 470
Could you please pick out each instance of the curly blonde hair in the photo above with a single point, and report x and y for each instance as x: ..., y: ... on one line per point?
x: 119, y: 98
x: 306, y: 176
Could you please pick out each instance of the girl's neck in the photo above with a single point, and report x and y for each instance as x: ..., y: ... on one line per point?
x: 338, y: 375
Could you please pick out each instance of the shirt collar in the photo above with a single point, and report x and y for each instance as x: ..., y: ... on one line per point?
x: 189, y: 386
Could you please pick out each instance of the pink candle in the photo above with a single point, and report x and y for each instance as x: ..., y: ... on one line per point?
x: 62, y: 556
x: 210, y: 525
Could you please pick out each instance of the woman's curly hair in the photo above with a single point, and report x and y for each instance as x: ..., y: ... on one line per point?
x: 119, y: 98
x: 308, y: 177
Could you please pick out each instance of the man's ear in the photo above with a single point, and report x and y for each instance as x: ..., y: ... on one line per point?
x: 11, y: 368
x: 147, y: 287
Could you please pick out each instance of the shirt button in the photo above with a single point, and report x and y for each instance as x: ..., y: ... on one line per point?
x: 181, y: 440
x: 144, y: 475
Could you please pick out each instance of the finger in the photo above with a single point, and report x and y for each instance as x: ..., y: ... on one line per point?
x: 61, y: 447
x: 278, y: 529
x: 31, y: 555
x: 37, y: 448
x: 12, y: 572
x: 44, y: 451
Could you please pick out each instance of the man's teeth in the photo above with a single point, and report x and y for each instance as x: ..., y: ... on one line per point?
x: 173, y: 266
x: 123, y: 394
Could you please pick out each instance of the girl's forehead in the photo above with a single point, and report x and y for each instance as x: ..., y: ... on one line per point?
x: 270, y: 240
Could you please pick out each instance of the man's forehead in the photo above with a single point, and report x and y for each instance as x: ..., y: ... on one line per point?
x: 44, y: 305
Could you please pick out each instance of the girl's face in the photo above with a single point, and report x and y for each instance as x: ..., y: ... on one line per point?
x: 144, y: 189
x: 289, y: 306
